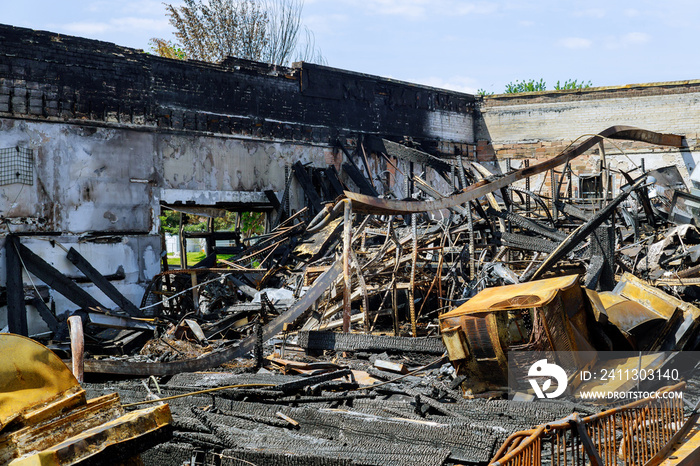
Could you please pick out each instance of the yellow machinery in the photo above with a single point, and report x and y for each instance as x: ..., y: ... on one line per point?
x: 543, y: 315
x: 45, y: 418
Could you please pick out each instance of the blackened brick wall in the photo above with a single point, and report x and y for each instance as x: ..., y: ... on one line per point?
x: 50, y: 76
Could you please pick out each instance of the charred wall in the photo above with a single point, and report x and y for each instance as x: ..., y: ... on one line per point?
x: 51, y: 76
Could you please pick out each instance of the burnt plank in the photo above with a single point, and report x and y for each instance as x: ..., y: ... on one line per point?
x: 308, y: 187
x: 56, y: 280
x: 400, y: 151
x: 102, y: 283
x: 272, y: 197
x: 46, y: 314
x: 333, y: 180
x: 359, y: 179
x: 16, y: 310
x: 319, y: 177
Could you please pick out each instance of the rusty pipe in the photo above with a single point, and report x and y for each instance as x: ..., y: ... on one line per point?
x: 77, y: 347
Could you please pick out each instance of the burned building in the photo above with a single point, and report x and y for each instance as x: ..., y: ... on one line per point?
x: 96, y: 138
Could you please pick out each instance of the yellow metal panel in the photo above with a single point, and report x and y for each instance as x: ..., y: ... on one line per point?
x: 650, y: 297
x: 522, y: 295
x: 31, y: 376
x: 687, y: 453
x: 627, y: 314
x: 455, y: 343
x: 93, y: 441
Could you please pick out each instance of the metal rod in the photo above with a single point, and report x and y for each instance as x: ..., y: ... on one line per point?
x: 414, y: 259
x: 347, y: 243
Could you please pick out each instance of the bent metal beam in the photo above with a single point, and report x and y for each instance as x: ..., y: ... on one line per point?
x: 369, y: 204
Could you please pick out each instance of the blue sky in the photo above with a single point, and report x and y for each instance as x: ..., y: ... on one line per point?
x: 455, y: 44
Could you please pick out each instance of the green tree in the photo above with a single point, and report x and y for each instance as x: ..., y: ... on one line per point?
x: 167, y: 49
x: 525, y: 86
x: 261, y: 30
x: 572, y: 84
x: 252, y: 223
x: 534, y: 86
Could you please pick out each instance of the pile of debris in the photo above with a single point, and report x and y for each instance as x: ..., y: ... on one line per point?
x: 492, y: 268
x: 369, y: 409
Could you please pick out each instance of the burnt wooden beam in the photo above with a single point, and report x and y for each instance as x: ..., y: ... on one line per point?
x: 528, y: 224
x: 46, y: 314
x: 16, y: 310
x: 102, y: 283
x: 272, y: 197
x: 527, y: 243
x: 217, y: 235
x: 359, y: 179
x: 308, y: 187
x: 399, y: 151
x: 321, y: 181
x: 348, y: 157
x: 332, y: 177
x: 323, y: 340
x: 56, y: 280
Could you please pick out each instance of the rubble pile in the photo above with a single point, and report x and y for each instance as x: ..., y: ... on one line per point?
x: 346, y: 412
x: 366, y: 331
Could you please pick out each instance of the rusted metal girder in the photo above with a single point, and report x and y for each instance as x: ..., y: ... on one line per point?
x: 364, y: 203
x: 217, y: 358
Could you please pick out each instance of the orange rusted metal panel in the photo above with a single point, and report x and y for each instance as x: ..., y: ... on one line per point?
x: 540, y: 315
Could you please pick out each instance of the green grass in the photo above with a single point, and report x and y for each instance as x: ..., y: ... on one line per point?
x: 192, y: 258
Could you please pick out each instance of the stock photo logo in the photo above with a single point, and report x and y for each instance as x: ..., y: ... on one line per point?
x: 542, y: 368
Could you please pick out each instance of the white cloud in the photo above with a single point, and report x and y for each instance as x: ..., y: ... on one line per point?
x: 575, y: 43
x: 417, y: 9
x: 631, y: 39
x: 148, y: 7
x: 406, y: 8
x: 151, y: 24
x: 481, y: 8
x: 455, y: 83
x: 631, y: 12
x: 590, y: 13
x: 635, y: 38
x: 118, y: 25
x: 86, y: 28
x: 325, y: 24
